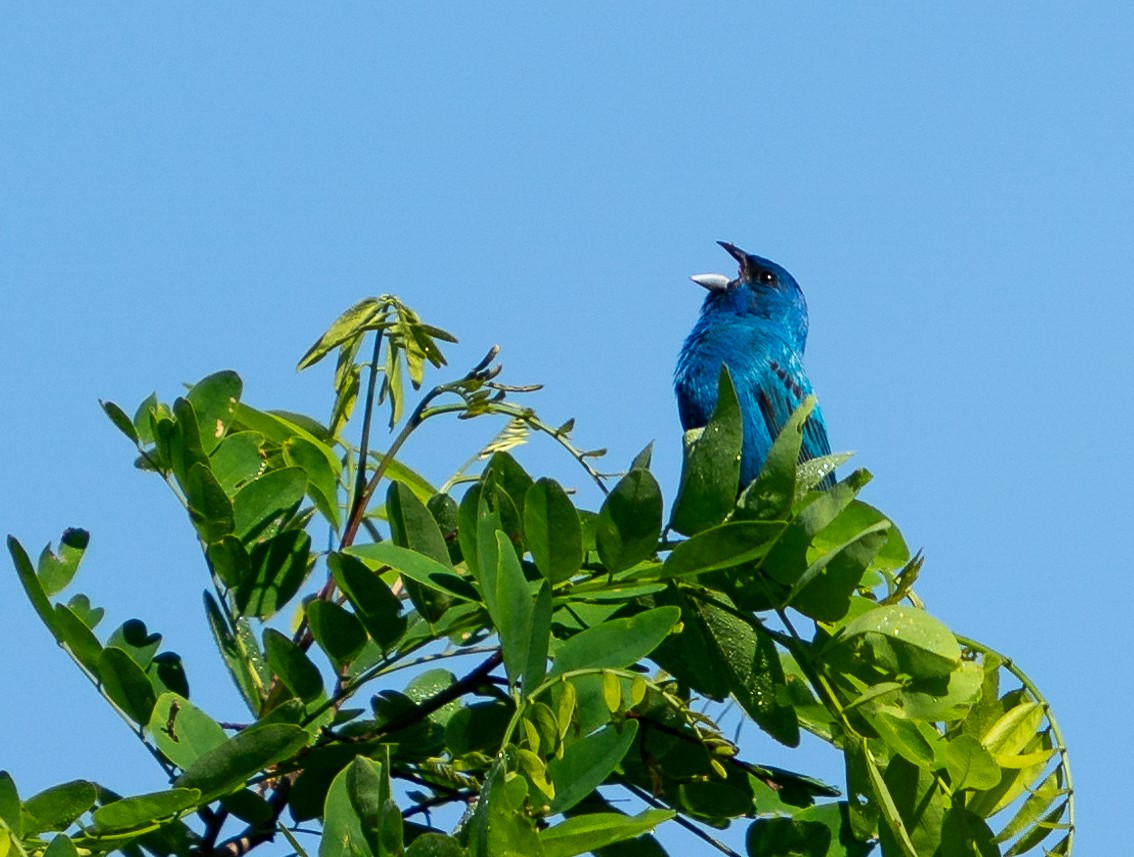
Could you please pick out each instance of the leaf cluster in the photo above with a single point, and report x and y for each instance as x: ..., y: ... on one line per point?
x: 596, y: 638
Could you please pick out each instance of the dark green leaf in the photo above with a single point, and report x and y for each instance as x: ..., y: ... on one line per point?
x: 227, y: 767
x: 229, y: 561
x: 166, y: 673
x: 143, y: 425
x: 587, y: 762
x: 467, y: 533
x: 787, y: 837
x: 291, y: 664
x: 182, y: 731
x: 756, y: 676
x: 642, y: 459
x: 126, y: 684
x: 261, y: 501
x: 629, y: 522
x: 722, y: 546
x: 710, y: 472
x: 413, y: 527
x: 836, y: 817
x: 279, y: 567
x: 76, y: 638
x: 552, y: 531
x: 964, y: 834
x: 55, y: 808
x: 824, y: 590
x: 136, y: 811
x: 121, y: 421
x: 185, y: 447
x: 378, y: 609
x: 338, y: 632
x: 209, y: 507
x: 57, y: 570
x: 616, y: 643
x: 584, y: 833
x: 512, y: 478
x: 215, y: 400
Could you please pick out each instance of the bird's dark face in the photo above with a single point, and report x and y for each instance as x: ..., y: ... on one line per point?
x: 761, y: 289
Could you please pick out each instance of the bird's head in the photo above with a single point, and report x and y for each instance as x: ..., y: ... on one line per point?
x: 761, y: 289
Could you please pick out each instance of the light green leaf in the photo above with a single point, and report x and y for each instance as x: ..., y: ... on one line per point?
x: 262, y: 500
x: 970, y: 765
x: 587, y: 762
x: 584, y: 833
x: 722, y: 546
x: 616, y: 643
x: 182, y: 731
x: 55, y: 808
x: 215, y: 400
x: 57, y: 570
x: 905, y: 639
x: 131, y: 812
x: 629, y: 522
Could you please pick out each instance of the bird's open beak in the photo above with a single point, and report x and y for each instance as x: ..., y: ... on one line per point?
x: 712, y: 282
x: 738, y: 254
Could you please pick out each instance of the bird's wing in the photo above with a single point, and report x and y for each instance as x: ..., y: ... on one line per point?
x: 782, y: 389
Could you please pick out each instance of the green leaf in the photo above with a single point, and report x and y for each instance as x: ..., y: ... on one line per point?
x: 57, y: 570
x: 587, y: 762
x: 616, y: 643
x: 431, y: 844
x: 322, y: 478
x: 227, y: 767
x: 291, y: 664
x: 279, y: 567
x: 73, y: 634
x: 836, y: 817
x: 126, y: 684
x: 184, y: 441
x: 629, y: 522
x: 417, y: 567
x: 134, y: 639
x: 512, y: 478
x: 182, y: 731
x: 378, y: 609
x: 511, y: 609
x: 355, y: 322
x: 539, y: 639
x: 61, y: 846
x: 722, y: 546
x: 55, y: 808
x: 261, y: 501
x: 238, y: 459
x: 243, y: 674
x: 413, y: 527
x: 770, y: 496
x: 917, y: 743
x: 970, y: 765
x: 787, y: 837
x: 552, y: 531
x: 210, y: 510
x: 755, y: 674
x: 215, y: 400
x: 338, y: 632
x: 131, y: 812
x: 584, y: 833
x: 10, y: 804
x: 121, y: 421
x: 787, y: 560
x: 905, y: 640
x: 229, y: 561
x: 501, y: 825
x: 710, y: 471
x: 824, y: 590
x: 143, y: 425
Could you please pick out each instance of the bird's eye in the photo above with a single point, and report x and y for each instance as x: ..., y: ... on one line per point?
x: 768, y: 277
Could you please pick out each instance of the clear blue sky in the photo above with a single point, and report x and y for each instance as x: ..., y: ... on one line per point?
x: 189, y: 189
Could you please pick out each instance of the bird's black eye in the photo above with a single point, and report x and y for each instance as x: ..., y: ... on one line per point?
x: 768, y: 278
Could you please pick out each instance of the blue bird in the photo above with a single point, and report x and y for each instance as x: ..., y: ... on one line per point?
x: 755, y: 324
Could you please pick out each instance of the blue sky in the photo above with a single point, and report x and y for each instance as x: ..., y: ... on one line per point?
x: 184, y: 190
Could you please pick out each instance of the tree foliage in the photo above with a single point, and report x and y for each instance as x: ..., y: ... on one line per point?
x: 595, y: 637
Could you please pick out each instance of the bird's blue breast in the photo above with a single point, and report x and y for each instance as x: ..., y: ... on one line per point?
x: 766, y: 369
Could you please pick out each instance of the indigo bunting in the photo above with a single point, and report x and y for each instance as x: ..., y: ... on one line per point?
x: 755, y: 324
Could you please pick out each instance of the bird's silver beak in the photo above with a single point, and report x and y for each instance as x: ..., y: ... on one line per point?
x: 712, y: 282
